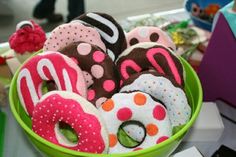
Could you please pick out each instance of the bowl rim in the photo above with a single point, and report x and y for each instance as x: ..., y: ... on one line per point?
x: 139, y: 152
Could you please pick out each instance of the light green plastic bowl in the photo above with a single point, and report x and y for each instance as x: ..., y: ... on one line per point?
x: 194, y: 93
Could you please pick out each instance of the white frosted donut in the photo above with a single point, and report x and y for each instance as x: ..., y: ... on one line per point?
x: 48, y: 66
x: 161, y: 88
x: 140, y: 107
x: 78, y: 113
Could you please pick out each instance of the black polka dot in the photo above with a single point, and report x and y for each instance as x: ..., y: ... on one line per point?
x: 154, y: 37
x: 133, y: 41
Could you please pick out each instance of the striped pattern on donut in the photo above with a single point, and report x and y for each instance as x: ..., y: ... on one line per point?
x: 78, y: 113
x: 144, y: 56
x: 138, y: 106
x: 68, y: 33
x: 111, y: 32
x: 48, y: 66
x: 163, y: 89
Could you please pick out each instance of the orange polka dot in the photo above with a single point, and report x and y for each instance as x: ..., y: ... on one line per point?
x: 152, y: 129
x: 140, y: 99
x: 108, y: 105
x: 112, y: 140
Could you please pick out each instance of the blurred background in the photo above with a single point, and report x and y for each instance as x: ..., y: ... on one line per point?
x: 13, y: 11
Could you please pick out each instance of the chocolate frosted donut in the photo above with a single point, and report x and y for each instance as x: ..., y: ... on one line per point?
x: 148, y: 55
x: 99, y: 70
x: 111, y: 32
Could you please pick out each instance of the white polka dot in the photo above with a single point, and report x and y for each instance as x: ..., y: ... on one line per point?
x: 84, y: 48
x: 97, y: 71
x: 143, y: 32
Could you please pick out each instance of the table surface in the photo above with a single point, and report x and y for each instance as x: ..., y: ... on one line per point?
x: 16, y: 143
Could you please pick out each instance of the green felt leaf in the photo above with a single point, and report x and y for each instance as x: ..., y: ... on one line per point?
x: 125, y: 140
x: 69, y: 133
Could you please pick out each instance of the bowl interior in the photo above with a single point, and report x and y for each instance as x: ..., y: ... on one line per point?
x: 194, y: 94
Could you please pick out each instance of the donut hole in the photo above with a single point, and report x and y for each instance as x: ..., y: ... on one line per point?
x: 66, y: 135
x: 48, y: 86
x: 131, y: 134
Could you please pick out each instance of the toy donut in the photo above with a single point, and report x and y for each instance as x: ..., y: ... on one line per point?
x: 72, y: 109
x: 41, y: 68
x: 163, y: 89
x: 149, y: 34
x: 68, y: 33
x: 140, y: 108
x: 111, y: 32
x: 100, y: 72
x: 148, y: 55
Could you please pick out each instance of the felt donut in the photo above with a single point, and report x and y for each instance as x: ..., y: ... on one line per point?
x: 138, y: 107
x: 148, y: 55
x: 100, y: 72
x: 48, y: 66
x: 163, y: 89
x: 111, y: 32
x: 149, y: 34
x: 72, y: 109
x: 68, y: 33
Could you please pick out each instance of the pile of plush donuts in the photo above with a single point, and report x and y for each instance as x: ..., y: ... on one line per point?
x: 119, y: 92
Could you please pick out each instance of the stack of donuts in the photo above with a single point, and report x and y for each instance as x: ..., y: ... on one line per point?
x: 110, y: 87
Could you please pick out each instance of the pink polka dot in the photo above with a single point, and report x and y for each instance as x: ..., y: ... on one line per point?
x: 91, y: 94
x: 124, y: 114
x: 97, y: 71
x: 84, y: 48
x: 161, y: 139
x: 109, y: 85
x: 98, y: 56
x: 159, y: 112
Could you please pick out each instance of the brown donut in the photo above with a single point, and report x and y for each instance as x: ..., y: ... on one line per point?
x: 100, y: 72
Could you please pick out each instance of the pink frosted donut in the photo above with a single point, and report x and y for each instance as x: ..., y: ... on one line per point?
x: 149, y: 55
x: 100, y: 72
x: 149, y: 34
x: 138, y: 107
x: 48, y: 66
x: 78, y: 113
x: 68, y: 33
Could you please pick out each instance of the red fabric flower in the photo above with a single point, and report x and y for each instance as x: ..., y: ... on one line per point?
x: 28, y: 39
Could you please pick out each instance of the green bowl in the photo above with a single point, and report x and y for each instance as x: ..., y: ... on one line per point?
x: 194, y: 93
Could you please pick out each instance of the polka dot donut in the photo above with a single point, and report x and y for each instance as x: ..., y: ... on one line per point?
x: 148, y: 55
x: 68, y: 33
x: 123, y: 107
x: 163, y: 89
x: 149, y: 34
x: 42, y: 68
x: 77, y: 112
x: 100, y: 72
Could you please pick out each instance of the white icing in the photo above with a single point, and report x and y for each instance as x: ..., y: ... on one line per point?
x: 162, y: 89
x: 24, y: 73
x: 111, y: 54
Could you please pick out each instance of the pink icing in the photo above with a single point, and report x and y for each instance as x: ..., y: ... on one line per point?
x: 91, y: 94
x: 143, y: 33
x: 150, y: 56
x: 98, y: 56
x: 87, y: 126
x: 73, y: 32
x: 29, y: 84
x: 128, y: 64
x: 109, y: 85
x: 84, y: 48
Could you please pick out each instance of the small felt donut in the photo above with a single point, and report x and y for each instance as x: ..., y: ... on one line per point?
x: 100, y: 72
x: 124, y: 108
x: 68, y: 33
x: 72, y: 109
x: 143, y: 56
x: 163, y: 89
x: 111, y: 32
x: 48, y: 66
x: 149, y: 34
